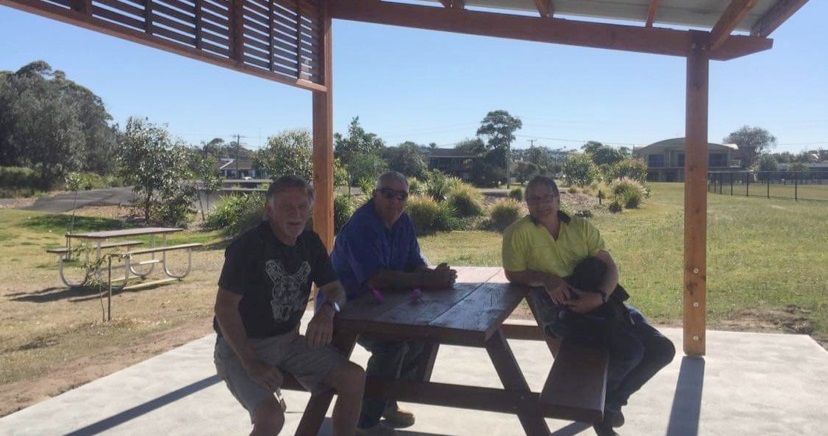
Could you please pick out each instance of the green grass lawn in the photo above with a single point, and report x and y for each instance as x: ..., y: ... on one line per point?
x: 765, y: 258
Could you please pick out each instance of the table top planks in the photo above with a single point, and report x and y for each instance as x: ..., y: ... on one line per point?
x: 106, y: 234
x: 468, y: 314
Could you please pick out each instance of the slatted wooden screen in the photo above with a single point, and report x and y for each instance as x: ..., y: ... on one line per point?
x: 277, y: 39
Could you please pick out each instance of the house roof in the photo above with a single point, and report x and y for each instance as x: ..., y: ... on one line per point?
x: 678, y: 143
x: 229, y: 164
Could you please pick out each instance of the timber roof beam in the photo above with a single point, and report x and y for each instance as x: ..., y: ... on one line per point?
x: 651, y: 11
x: 557, y: 31
x: 775, y: 17
x: 545, y: 8
x: 729, y: 20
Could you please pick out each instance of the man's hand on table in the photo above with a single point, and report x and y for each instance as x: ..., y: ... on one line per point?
x: 442, y: 277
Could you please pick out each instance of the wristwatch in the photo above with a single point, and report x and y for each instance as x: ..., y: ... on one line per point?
x: 334, y: 305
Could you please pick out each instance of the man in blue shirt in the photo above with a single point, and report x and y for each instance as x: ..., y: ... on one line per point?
x: 377, y: 250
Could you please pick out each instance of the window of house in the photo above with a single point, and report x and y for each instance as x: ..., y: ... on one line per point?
x: 717, y: 160
x: 680, y: 160
x: 655, y: 160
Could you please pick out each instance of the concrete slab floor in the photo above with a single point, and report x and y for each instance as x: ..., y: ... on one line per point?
x: 748, y: 384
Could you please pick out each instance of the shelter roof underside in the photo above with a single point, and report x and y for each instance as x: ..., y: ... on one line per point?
x: 697, y: 14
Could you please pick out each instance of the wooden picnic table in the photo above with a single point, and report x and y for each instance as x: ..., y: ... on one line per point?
x: 471, y: 314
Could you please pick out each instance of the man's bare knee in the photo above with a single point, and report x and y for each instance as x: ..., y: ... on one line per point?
x: 347, y: 379
x: 268, y: 418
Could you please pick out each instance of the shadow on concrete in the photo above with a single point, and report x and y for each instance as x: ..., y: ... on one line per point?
x: 129, y: 414
x: 573, y: 429
x: 686, y: 411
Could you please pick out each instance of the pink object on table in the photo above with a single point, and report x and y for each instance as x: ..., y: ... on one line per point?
x: 377, y: 295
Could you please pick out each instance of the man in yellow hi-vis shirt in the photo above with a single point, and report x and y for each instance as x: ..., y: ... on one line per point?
x: 543, y: 250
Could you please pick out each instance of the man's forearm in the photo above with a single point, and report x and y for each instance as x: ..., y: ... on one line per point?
x: 232, y: 329
x: 334, y: 292
x: 530, y: 278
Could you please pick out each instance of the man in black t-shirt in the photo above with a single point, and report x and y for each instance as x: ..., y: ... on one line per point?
x: 263, y: 291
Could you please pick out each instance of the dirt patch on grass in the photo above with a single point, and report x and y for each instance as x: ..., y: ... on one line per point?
x: 791, y: 319
x: 105, y: 361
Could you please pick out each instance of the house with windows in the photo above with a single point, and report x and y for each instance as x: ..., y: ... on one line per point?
x: 231, y: 168
x: 665, y: 159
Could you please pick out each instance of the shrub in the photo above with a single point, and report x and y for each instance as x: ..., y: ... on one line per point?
x: 628, y: 193
x: 465, y: 201
x: 447, y: 219
x: 516, y: 194
x: 343, y: 209
x: 367, y: 185
x: 615, y: 206
x: 439, y: 186
x: 504, y: 212
x: 573, y: 189
x: 424, y: 211
x: 415, y: 186
x: 18, y: 179
x: 235, y: 213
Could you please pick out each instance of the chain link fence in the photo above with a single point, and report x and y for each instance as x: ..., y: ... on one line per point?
x: 796, y: 185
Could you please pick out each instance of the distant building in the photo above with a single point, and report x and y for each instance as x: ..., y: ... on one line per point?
x: 665, y: 159
x: 451, y: 161
x: 229, y: 169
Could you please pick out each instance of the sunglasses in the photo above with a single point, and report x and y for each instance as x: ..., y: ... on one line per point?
x: 390, y: 193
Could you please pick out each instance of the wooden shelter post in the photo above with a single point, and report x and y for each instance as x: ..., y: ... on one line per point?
x: 323, y: 181
x: 695, y: 194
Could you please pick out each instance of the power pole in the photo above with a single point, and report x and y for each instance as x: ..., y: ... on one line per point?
x: 238, y: 150
x: 531, y: 143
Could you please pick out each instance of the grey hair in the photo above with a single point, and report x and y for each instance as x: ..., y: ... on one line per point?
x: 389, y: 176
x: 542, y: 181
x: 289, y: 181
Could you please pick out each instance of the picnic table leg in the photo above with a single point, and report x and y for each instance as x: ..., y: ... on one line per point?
x: 318, y: 404
x: 509, y: 372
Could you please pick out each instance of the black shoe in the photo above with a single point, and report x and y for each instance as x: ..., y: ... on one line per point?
x: 604, y: 428
x: 616, y: 419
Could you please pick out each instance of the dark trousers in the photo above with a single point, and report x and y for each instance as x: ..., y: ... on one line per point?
x: 637, y: 351
x: 390, y: 360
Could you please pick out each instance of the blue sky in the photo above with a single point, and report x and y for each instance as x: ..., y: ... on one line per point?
x: 425, y: 86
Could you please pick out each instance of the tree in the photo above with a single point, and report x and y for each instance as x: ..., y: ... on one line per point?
x: 53, y: 124
x: 157, y: 168
x: 768, y: 163
x: 204, y: 167
x: 579, y: 169
x: 602, y: 154
x: 499, y: 126
x: 634, y: 168
x: 406, y: 158
x: 541, y: 158
x: 472, y: 147
x: 752, y: 141
x: 289, y: 152
x: 358, y: 142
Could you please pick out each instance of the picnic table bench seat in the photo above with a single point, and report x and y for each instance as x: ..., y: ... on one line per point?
x: 575, y: 389
x: 165, y: 248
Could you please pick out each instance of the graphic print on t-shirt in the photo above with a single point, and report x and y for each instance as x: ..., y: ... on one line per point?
x: 287, y: 289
